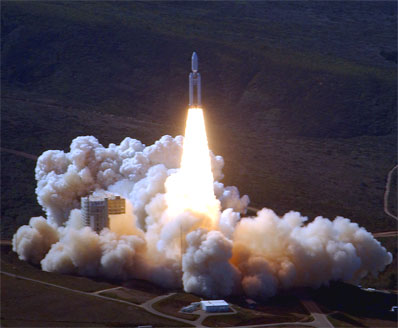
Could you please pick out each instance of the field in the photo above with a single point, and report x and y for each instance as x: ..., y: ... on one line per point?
x: 173, y: 304
x: 350, y: 306
x: 346, y: 320
x: 246, y: 316
x: 66, y: 309
x: 137, y: 296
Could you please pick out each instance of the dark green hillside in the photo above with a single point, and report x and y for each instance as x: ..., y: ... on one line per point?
x: 133, y: 57
x: 300, y: 97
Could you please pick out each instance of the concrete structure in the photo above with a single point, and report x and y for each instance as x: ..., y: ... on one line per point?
x: 215, y: 306
x: 96, y: 210
x: 116, y: 205
x: 191, y: 307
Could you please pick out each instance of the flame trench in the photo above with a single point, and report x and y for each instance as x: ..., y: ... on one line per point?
x: 191, y: 189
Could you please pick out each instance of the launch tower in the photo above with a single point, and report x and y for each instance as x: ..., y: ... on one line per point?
x: 96, y: 210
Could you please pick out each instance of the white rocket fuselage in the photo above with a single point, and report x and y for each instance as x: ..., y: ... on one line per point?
x: 195, y: 92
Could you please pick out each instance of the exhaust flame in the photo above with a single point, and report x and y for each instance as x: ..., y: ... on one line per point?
x: 191, y: 189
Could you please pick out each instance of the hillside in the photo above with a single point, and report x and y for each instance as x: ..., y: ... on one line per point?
x: 300, y: 97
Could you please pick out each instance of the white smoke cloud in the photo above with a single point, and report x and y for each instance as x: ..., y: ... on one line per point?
x: 274, y: 253
x: 206, y: 266
x: 33, y: 241
x: 258, y: 255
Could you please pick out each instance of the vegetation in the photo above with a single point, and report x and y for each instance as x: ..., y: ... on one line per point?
x: 134, y: 296
x: 246, y: 316
x: 344, y: 320
x: 281, y: 308
x: 50, y: 306
x: 303, y: 121
x: 355, y: 307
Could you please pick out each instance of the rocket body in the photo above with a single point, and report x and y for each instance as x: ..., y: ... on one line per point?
x: 195, y: 92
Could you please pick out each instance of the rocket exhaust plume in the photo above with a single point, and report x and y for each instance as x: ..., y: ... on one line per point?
x: 174, y: 186
x: 191, y: 189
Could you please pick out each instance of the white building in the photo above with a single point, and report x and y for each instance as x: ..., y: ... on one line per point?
x: 95, y: 210
x: 215, y: 306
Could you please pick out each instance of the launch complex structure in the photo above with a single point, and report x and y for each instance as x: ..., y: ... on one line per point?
x: 96, y: 210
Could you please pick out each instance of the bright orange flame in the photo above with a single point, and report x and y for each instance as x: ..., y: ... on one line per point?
x: 192, y: 187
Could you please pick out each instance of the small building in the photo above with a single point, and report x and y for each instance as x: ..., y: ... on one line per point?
x: 215, y: 306
x: 96, y: 210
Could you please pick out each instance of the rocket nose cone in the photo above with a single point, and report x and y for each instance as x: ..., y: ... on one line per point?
x: 194, y: 62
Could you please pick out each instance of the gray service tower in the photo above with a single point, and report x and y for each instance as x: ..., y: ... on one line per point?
x: 195, y: 98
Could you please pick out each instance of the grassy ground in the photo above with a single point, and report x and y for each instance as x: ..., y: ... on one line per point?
x: 173, y: 304
x: 135, y: 296
x: 29, y: 304
x: 346, y: 320
x: 303, y: 111
x: 279, y: 304
x: 144, y: 286
x: 355, y: 307
x: 246, y: 316
x: 281, y: 308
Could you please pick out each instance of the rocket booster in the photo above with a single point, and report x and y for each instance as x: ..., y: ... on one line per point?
x: 195, y: 92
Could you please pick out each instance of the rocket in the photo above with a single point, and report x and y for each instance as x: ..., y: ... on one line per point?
x: 195, y: 93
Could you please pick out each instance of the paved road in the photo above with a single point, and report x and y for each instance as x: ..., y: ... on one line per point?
x: 393, y: 233
x: 387, y: 193
x: 19, y: 153
x: 107, y: 290
x: 321, y: 320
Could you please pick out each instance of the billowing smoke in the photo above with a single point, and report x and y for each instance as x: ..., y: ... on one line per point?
x: 255, y: 255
